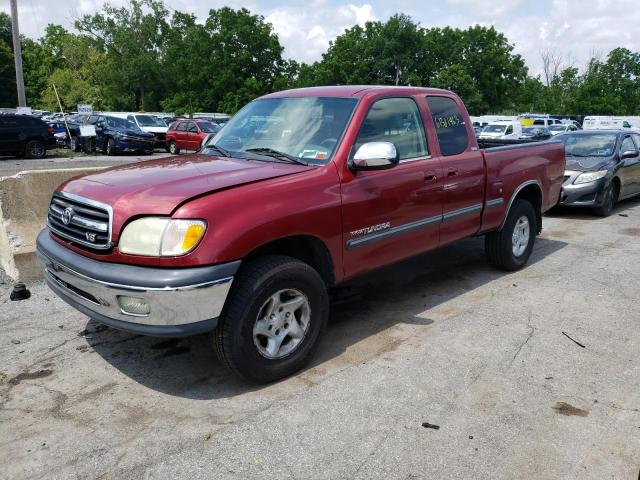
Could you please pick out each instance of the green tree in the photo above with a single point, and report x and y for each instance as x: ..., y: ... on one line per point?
x: 132, y: 39
x: 8, y: 93
x: 456, y: 79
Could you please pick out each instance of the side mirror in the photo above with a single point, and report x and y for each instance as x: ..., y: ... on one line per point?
x: 630, y: 154
x: 375, y: 156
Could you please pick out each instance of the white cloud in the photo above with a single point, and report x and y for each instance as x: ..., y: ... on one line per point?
x: 306, y: 30
x: 577, y: 28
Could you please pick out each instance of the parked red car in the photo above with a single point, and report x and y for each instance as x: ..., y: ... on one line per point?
x: 300, y: 191
x: 188, y: 134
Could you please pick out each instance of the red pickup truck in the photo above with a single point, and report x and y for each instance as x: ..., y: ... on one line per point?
x: 300, y: 191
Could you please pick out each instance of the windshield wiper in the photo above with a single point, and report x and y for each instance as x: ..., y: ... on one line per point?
x: 270, y: 152
x: 224, y: 152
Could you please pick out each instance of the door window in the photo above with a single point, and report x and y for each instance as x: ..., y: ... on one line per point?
x: 191, y: 127
x: 450, y: 127
x: 398, y: 121
x: 509, y: 130
x: 627, y: 144
x: 182, y: 126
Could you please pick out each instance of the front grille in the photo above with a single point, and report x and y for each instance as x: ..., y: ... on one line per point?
x: 83, y: 221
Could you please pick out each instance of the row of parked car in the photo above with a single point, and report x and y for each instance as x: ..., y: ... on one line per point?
x: 113, y: 133
x: 514, y: 130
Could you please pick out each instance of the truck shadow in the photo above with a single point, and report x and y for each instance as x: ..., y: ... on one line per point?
x: 363, y: 312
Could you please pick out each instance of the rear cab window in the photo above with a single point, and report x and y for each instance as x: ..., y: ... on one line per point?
x: 395, y: 120
x: 449, y: 123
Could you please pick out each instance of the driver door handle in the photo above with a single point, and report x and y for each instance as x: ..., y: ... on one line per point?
x: 430, y: 176
x: 452, y: 172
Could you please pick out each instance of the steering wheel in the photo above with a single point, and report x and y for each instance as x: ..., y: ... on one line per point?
x: 330, y: 141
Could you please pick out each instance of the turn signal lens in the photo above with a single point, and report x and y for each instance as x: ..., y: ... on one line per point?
x: 181, y: 236
x: 192, y: 237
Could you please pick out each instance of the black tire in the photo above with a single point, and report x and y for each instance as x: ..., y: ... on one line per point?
x: 610, y: 199
x: 166, y: 148
x: 257, y: 282
x: 110, y: 147
x: 173, y: 148
x: 499, y: 245
x: 74, y: 144
x: 35, y: 149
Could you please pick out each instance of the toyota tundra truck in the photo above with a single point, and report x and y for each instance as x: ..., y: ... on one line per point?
x: 301, y: 191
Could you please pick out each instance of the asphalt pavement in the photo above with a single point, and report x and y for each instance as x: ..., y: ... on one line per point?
x: 532, y: 374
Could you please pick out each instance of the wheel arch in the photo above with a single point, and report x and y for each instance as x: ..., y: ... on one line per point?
x: 618, y: 183
x: 306, y: 248
x: 531, y: 192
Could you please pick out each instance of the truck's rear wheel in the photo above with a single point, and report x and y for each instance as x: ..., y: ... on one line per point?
x: 274, y: 316
x: 510, y: 248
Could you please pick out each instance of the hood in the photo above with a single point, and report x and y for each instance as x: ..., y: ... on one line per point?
x: 588, y: 164
x: 157, y: 187
x: 157, y: 129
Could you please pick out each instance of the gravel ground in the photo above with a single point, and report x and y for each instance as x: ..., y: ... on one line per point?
x: 59, y: 159
x: 442, y: 338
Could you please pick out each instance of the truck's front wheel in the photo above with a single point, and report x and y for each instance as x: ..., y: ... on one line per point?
x: 275, y: 314
x: 510, y: 248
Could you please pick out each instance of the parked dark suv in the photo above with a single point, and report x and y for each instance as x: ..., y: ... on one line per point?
x: 25, y: 136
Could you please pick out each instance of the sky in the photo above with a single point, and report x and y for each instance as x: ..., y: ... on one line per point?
x: 575, y: 29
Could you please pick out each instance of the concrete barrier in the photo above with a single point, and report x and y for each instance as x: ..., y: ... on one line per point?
x: 24, y: 201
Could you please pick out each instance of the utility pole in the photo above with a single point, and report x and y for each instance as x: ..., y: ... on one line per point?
x: 17, y: 54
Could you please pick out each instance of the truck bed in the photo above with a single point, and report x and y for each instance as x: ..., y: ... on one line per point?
x: 513, y: 167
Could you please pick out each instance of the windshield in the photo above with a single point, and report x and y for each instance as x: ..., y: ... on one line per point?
x: 147, y: 121
x: 160, y: 122
x: 120, y: 123
x: 590, y: 145
x: 494, y: 128
x: 558, y: 128
x: 208, y: 127
x: 302, y: 127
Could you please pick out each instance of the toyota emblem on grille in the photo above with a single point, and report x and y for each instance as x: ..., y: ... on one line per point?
x: 67, y: 215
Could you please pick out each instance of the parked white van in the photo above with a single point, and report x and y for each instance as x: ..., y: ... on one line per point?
x: 606, y: 123
x: 502, y: 129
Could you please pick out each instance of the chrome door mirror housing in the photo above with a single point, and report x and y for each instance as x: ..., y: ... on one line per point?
x: 375, y: 156
x: 630, y: 154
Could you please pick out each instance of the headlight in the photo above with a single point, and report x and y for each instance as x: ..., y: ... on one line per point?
x: 164, y: 237
x: 590, y: 177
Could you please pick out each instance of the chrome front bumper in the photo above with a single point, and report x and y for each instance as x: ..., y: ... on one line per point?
x: 182, y: 301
